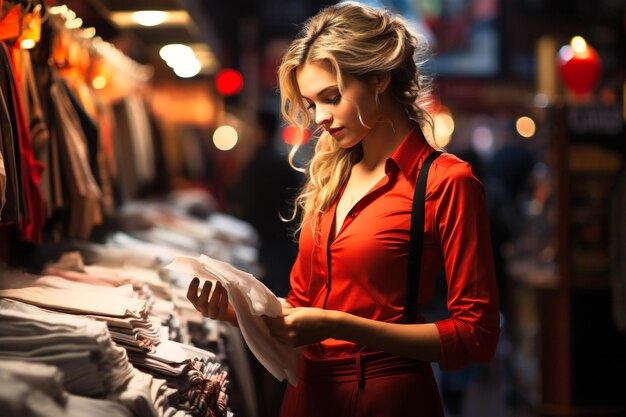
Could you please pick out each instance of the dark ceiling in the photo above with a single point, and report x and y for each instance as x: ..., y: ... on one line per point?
x: 223, y: 25
x: 229, y: 27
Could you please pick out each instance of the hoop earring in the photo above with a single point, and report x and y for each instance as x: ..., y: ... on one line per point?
x: 376, y: 100
x: 361, y: 120
x: 378, y: 111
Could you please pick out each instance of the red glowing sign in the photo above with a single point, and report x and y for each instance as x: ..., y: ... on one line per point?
x: 579, y: 66
x: 229, y: 82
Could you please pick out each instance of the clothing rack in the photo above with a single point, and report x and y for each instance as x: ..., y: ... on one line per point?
x: 80, y: 155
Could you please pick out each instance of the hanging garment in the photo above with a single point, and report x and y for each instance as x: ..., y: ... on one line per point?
x: 9, y: 147
x: 106, y: 155
x: 83, y: 190
x: 3, y: 184
x: 141, y: 136
x: 59, y: 201
x: 38, y: 129
x: 128, y: 178
x: 90, y: 131
x: 31, y: 225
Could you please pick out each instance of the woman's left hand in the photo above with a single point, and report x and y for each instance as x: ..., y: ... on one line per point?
x: 302, y: 325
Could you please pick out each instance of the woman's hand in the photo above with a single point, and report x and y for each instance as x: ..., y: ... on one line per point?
x: 302, y: 325
x: 217, y: 307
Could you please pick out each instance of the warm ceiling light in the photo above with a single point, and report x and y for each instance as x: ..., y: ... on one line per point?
x: 444, y: 127
x: 175, y: 53
x: 87, y: 33
x: 74, y: 23
x: 188, y: 69
x: 99, y: 82
x: 578, y: 44
x: 526, y: 127
x: 58, y: 9
x: 27, y: 44
x: 149, y: 17
x: 225, y: 138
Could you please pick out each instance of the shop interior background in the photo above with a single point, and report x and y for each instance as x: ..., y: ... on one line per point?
x: 551, y: 158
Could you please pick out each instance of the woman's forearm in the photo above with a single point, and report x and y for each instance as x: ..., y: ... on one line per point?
x: 417, y: 341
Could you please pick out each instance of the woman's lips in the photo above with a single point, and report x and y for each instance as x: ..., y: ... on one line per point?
x: 335, y: 132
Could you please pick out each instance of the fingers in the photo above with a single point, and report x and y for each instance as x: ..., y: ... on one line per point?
x: 289, y: 310
x: 284, y: 303
x: 192, y: 291
x: 213, y: 306
x: 210, y: 304
x: 223, y: 304
x: 202, y: 304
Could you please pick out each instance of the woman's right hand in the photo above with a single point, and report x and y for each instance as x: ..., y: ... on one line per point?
x: 217, y: 307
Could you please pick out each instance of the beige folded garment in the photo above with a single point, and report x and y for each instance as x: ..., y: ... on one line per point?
x: 78, y: 301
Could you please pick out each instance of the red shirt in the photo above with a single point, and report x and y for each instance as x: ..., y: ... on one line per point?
x: 363, y: 270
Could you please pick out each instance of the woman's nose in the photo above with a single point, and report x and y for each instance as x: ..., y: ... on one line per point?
x: 322, y: 117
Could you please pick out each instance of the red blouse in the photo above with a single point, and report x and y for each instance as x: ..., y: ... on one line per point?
x: 363, y: 270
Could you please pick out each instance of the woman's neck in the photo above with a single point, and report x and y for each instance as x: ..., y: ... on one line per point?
x: 385, y: 137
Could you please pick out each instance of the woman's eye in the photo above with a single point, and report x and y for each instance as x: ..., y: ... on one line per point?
x: 311, y: 106
x: 335, y: 99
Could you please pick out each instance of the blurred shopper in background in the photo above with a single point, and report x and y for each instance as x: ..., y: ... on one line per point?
x: 508, y: 177
x: 262, y: 195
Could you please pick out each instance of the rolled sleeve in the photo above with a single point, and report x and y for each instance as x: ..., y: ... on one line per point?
x: 471, y: 334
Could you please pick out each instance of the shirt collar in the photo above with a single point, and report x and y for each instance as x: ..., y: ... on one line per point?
x: 407, y: 155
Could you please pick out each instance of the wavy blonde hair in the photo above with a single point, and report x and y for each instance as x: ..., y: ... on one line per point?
x: 359, y: 41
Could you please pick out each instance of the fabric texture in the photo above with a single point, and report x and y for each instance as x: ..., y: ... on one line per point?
x: 250, y: 299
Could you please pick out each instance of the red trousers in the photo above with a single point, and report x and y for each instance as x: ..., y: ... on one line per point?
x: 366, y: 384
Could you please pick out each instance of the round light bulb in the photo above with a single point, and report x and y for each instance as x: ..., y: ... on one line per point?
x: 149, y: 17
x: 225, y: 138
x: 526, y: 127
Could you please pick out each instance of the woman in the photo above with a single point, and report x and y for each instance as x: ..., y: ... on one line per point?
x: 353, y: 71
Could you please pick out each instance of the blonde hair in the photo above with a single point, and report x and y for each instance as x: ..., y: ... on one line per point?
x: 359, y: 41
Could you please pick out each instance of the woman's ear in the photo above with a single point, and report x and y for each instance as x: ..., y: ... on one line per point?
x: 382, y: 82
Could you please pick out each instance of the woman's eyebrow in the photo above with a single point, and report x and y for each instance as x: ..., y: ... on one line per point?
x: 322, y: 91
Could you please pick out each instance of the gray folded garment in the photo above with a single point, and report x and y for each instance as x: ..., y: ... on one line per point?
x: 34, y: 389
x: 82, y: 348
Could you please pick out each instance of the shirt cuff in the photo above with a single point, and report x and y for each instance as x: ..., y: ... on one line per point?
x: 451, y: 349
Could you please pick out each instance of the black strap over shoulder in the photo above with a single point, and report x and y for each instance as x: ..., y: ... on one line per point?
x: 416, y: 242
